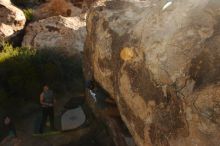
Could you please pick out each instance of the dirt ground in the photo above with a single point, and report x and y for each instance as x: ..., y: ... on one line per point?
x: 83, y: 136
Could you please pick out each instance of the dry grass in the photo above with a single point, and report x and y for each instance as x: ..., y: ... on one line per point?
x: 55, y: 8
x: 60, y: 7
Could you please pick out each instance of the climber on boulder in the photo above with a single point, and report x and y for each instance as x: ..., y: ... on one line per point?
x: 103, y: 101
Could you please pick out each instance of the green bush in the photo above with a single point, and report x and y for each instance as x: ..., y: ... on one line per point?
x: 23, y: 72
x: 28, y: 14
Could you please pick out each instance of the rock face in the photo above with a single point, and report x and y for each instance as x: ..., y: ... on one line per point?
x: 161, y: 62
x: 55, y: 8
x: 61, y: 33
x: 12, y: 19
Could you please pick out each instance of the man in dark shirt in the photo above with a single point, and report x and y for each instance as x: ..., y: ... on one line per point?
x: 47, y: 101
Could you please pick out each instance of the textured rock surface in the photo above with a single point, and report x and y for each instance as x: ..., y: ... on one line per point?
x: 61, y: 33
x: 83, y: 3
x: 12, y: 19
x: 55, y: 8
x: 161, y: 63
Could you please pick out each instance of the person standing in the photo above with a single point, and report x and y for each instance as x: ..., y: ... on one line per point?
x: 47, y: 101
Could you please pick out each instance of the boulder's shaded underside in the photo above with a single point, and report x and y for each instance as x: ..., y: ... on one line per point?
x: 161, y: 63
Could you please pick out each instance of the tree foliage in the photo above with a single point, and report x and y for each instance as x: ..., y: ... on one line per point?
x: 23, y: 72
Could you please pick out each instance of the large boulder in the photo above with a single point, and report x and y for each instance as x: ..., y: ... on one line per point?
x: 55, y: 8
x: 12, y: 19
x: 60, y: 33
x: 160, y: 61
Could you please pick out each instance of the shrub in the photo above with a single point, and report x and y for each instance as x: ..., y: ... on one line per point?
x: 28, y: 14
x: 23, y: 73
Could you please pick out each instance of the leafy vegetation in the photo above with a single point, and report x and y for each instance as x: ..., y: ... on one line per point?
x: 28, y: 14
x: 23, y: 72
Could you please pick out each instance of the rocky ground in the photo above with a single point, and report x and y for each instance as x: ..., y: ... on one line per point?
x: 91, y: 133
